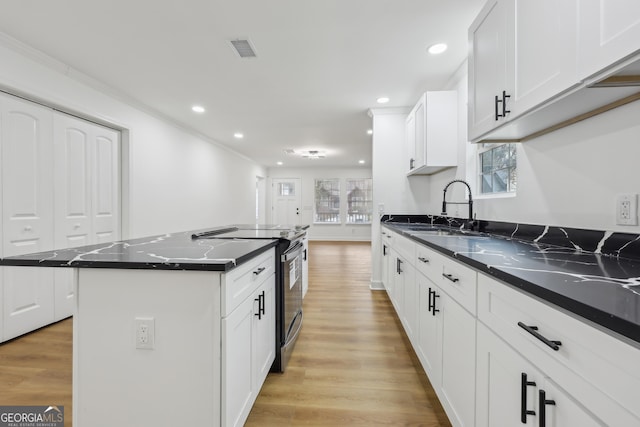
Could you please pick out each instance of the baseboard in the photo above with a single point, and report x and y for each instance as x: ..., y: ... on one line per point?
x: 376, y: 285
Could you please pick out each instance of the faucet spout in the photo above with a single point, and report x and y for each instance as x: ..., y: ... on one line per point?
x: 470, y: 202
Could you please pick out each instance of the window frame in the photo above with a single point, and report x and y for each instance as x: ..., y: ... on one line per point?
x: 331, y: 202
x: 511, y: 168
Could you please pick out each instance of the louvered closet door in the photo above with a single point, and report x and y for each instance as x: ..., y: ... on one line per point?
x: 87, y: 208
x: 27, y: 213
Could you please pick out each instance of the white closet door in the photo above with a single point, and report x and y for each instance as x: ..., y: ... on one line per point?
x: 106, y: 185
x: 87, y: 208
x: 27, y: 214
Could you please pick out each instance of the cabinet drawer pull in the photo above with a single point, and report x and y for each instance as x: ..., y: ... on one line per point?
x: 450, y: 277
x: 504, y: 103
x: 423, y: 259
x: 411, y: 163
x: 398, y: 265
x: 555, y: 345
x: 542, y: 406
x: 523, y: 399
x: 496, y: 102
x: 384, y: 250
x: 260, y: 270
x: 261, y: 305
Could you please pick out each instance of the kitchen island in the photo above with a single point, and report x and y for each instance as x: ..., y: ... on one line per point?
x: 168, y: 330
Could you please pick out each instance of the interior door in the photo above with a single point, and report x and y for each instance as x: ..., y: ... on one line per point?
x: 27, y: 214
x: 286, y: 201
x: 87, y: 200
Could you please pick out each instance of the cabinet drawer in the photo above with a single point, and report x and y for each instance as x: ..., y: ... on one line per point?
x: 429, y: 262
x: 405, y: 247
x: 586, y: 359
x: 240, y: 282
x: 459, y: 281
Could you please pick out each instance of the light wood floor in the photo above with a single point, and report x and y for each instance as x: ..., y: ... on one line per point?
x: 352, y: 365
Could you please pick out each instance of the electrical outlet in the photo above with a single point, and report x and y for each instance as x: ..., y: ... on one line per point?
x: 627, y: 209
x: 145, y: 333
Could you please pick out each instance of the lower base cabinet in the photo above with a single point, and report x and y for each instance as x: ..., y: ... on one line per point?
x: 445, y: 345
x: 248, y: 344
x: 511, y: 391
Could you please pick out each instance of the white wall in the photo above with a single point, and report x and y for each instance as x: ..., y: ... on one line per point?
x: 176, y: 180
x: 346, y: 232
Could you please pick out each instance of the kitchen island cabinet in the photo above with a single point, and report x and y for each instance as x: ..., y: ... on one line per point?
x: 149, y: 331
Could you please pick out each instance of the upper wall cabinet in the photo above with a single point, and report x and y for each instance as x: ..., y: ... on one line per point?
x: 609, y: 32
x: 529, y: 61
x: 432, y: 133
x: 522, y: 53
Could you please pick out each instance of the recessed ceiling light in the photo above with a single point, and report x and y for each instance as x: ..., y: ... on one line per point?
x: 382, y: 100
x: 437, y: 48
x: 361, y: 162
x: 279, y: 163
x: 370, y: 132
x: 198, y: 109
x: 238, y: 135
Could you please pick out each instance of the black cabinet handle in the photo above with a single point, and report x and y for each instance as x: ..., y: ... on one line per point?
x: 304, y: 258
x: 555, y: 345
x: 384, y: 250
x: 542, y: 406
x: 430, y: 303
x: 434, y: 309
x: 523, y: 397
x: 261, y: 305
x: 425, y: 260
x: 504, y: 103
x: 260, y: 270
x: 398, y: 265
x: 450, y: 277
x: 412, y: 163
x: 496, y: 102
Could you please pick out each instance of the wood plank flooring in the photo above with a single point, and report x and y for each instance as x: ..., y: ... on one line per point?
x: 35, y: 369
x: 352, y: 365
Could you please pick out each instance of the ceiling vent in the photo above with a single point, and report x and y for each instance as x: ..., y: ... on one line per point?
x: 243, y: 48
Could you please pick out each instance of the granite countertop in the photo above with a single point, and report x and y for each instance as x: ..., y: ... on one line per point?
x: 601, y: 288
x: 175, y: 251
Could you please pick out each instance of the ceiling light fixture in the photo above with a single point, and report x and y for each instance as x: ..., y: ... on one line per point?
x: 382, y: 100
x: 313, y: 154
x: 238, y: 135
x: 198, y: 109
x: 370, y: 132
x: 437, y: 48
x: 279, y: 163
x: 361, y: 162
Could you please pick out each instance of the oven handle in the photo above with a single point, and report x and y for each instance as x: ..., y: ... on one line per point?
x: 292, y: 253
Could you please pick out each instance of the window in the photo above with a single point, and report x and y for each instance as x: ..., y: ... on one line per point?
x: 327, y: 201
x: 498, y: 169
x: 359, y: 201
x: 287, y: 188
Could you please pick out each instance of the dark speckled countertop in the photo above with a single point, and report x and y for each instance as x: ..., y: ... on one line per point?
x: 601, y: 288
x: 175, y: 251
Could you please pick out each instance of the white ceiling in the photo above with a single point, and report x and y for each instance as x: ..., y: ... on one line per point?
x: 320, y: 64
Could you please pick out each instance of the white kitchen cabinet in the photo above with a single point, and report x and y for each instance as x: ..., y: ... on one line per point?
x: 432, y: 133
x: 589, y: 374
x: 385, y: 258
x: 488, y: 67
x: 27, y: 213
x: 248, y: 343
x: 609, y: 32
x: 429, y: 340
x: 511, y: 391
x: 305, y: 266
x: 513, y: 66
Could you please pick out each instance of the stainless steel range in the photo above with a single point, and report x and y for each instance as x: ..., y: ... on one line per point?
x: 290, y: 254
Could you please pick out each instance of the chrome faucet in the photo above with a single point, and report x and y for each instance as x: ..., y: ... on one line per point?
x: 470, y: 202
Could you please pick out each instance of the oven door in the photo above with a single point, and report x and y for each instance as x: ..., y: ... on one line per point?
x: 292, y: 272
